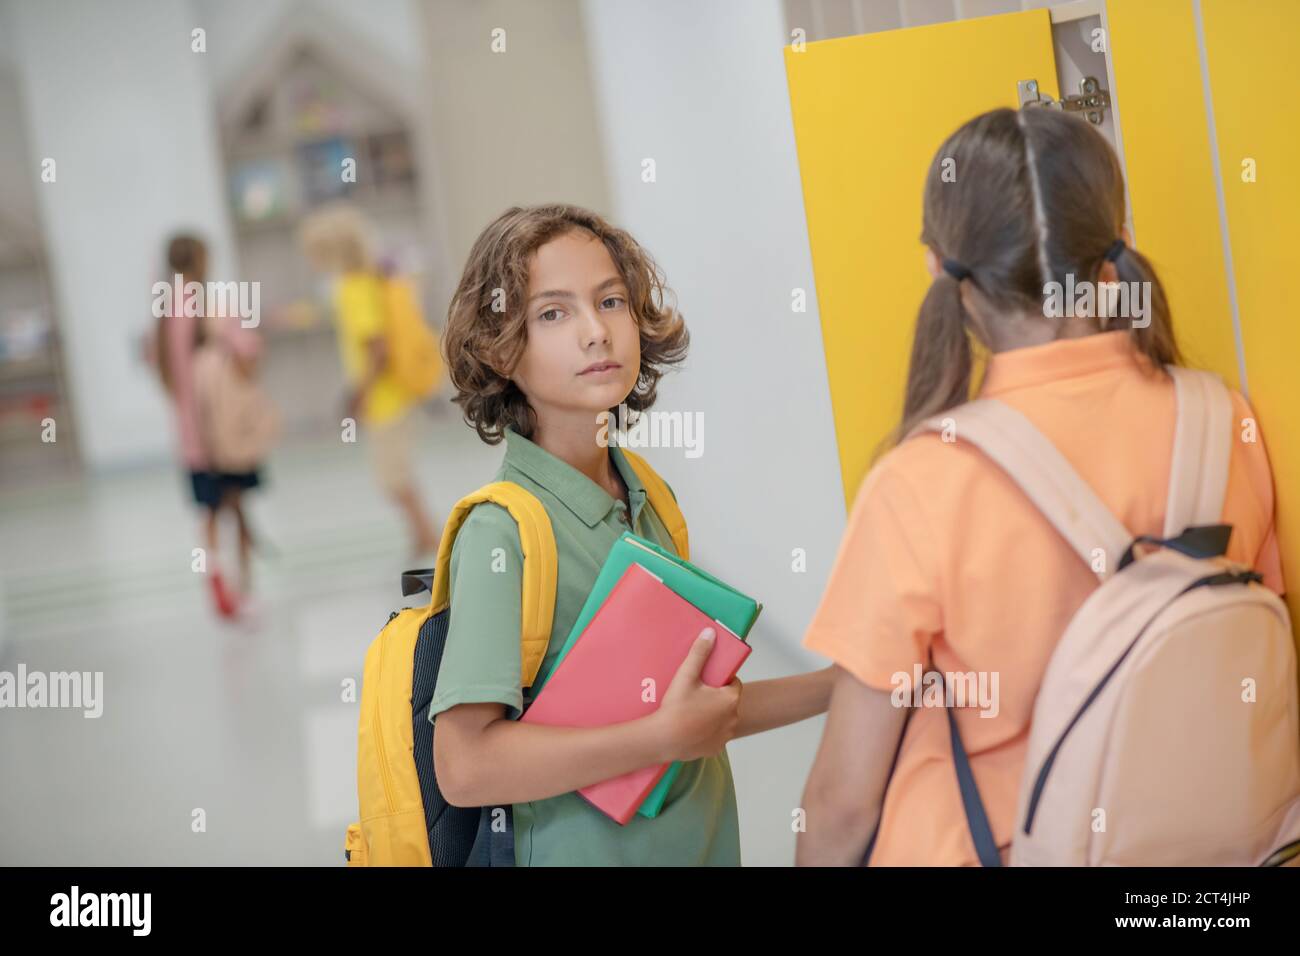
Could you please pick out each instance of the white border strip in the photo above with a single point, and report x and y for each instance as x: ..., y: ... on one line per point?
x: 1229, y: 269
x: 1069, y: 12
x: 1117, y: 125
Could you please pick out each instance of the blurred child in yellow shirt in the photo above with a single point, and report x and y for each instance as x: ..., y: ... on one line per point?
x: 336, y: 241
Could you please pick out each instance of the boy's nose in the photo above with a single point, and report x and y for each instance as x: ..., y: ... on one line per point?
x: 594, y: 330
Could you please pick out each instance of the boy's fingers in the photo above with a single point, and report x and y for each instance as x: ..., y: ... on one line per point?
x: 699, y: 653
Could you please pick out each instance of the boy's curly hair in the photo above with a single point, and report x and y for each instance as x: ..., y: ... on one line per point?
x: 482, y: 346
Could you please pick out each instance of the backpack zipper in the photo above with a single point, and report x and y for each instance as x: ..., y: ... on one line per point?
x: 1282, y: 854
x: 1041, y: 780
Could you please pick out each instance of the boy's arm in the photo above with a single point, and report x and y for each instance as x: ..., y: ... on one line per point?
x: 483, y: 759
x: 766, y: 704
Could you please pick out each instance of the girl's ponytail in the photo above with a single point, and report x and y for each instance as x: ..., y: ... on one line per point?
x: 939, y: 371
x: 1153, y: 335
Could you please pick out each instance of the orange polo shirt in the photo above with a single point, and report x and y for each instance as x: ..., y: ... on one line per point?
x: 943, y: 552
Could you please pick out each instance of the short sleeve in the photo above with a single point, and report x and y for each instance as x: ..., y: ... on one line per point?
x: 880, y: 611
x: 481, y: 662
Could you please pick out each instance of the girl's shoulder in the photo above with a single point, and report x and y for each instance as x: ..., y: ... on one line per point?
x: 925, y: 463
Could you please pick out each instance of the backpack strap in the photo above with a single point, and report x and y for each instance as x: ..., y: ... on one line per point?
x: 1198, y: 471
x: 662, y: 500
x: 537, y: 541
x: 1033, y: 462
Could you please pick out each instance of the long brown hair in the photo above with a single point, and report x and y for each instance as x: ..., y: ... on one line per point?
x: 1037, y: 194
x: 187, y: 256
x: 482, y: 346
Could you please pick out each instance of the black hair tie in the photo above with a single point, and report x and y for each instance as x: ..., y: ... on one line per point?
x: 1115, y: 249
x: 956, y: 269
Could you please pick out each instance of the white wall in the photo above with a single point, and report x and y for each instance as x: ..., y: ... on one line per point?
x: 17, y: 190
x: 701, y: 89
x: 113, y: 93
x: 115, y: 96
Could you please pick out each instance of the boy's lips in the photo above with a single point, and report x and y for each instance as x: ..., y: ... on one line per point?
x: 598, y: 367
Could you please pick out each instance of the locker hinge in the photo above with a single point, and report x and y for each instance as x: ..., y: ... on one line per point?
x: 1091, y: 100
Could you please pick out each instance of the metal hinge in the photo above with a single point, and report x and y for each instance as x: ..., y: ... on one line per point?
x: 1091, y: 100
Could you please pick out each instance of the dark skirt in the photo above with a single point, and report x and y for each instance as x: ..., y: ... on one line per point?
x: 209, y: 487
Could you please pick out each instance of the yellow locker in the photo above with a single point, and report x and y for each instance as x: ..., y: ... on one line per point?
x: 1169, y: 171
x: 1211, y: 151
x: 869, y: 112
x: 1220, y: 222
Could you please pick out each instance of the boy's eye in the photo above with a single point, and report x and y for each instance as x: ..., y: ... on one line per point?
x: 544, y: 316
x: 613, y: 298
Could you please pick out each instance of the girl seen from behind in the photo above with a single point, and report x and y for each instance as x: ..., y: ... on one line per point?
x: 945, y: 563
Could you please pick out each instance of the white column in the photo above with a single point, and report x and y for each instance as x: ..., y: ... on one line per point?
x: 116, y: 97
x: 700, y: 88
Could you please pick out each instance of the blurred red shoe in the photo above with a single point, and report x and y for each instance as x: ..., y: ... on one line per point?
x: 226, y: 605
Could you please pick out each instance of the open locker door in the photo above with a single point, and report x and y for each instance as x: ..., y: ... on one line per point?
x: 869, y: 112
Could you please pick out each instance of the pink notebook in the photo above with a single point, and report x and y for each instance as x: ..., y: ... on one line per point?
x: 643, y: 630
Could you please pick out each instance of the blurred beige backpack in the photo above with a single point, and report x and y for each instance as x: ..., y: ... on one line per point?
x: 238, y: 422
x: 1165, y: 729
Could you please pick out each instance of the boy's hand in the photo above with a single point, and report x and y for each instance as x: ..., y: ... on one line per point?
x: 697, y: 720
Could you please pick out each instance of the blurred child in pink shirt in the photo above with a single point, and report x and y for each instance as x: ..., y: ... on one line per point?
x: 181, y: 340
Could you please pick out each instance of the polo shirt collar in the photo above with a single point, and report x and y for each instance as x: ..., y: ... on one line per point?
x: 586, y: 499
x: 1064, y: 358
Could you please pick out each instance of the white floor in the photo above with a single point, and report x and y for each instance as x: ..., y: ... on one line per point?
x: 244, y: 723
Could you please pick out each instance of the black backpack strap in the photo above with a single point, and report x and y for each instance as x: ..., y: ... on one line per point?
x: 492, y: 848
x: 977, y: 821
x: 1199, y: 541
x: 417, y: 580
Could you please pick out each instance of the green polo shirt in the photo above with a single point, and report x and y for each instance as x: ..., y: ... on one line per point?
x: 698, y: 825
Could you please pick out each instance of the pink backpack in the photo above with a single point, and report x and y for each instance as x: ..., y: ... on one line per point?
x: 1165, y: 729
x: 238, y: 422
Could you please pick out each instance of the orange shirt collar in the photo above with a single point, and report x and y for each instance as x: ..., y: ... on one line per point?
x: 1064, y: 358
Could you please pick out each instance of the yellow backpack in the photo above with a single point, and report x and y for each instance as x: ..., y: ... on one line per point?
x: 414, y: 357
x: 404, y: 820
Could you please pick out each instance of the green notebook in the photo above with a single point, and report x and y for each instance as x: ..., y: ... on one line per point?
x: 737, y: 612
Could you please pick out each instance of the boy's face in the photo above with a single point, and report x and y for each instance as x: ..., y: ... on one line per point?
x: 584, y: 349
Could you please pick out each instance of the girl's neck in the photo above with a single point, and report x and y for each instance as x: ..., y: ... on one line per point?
x: 1027, y: 330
